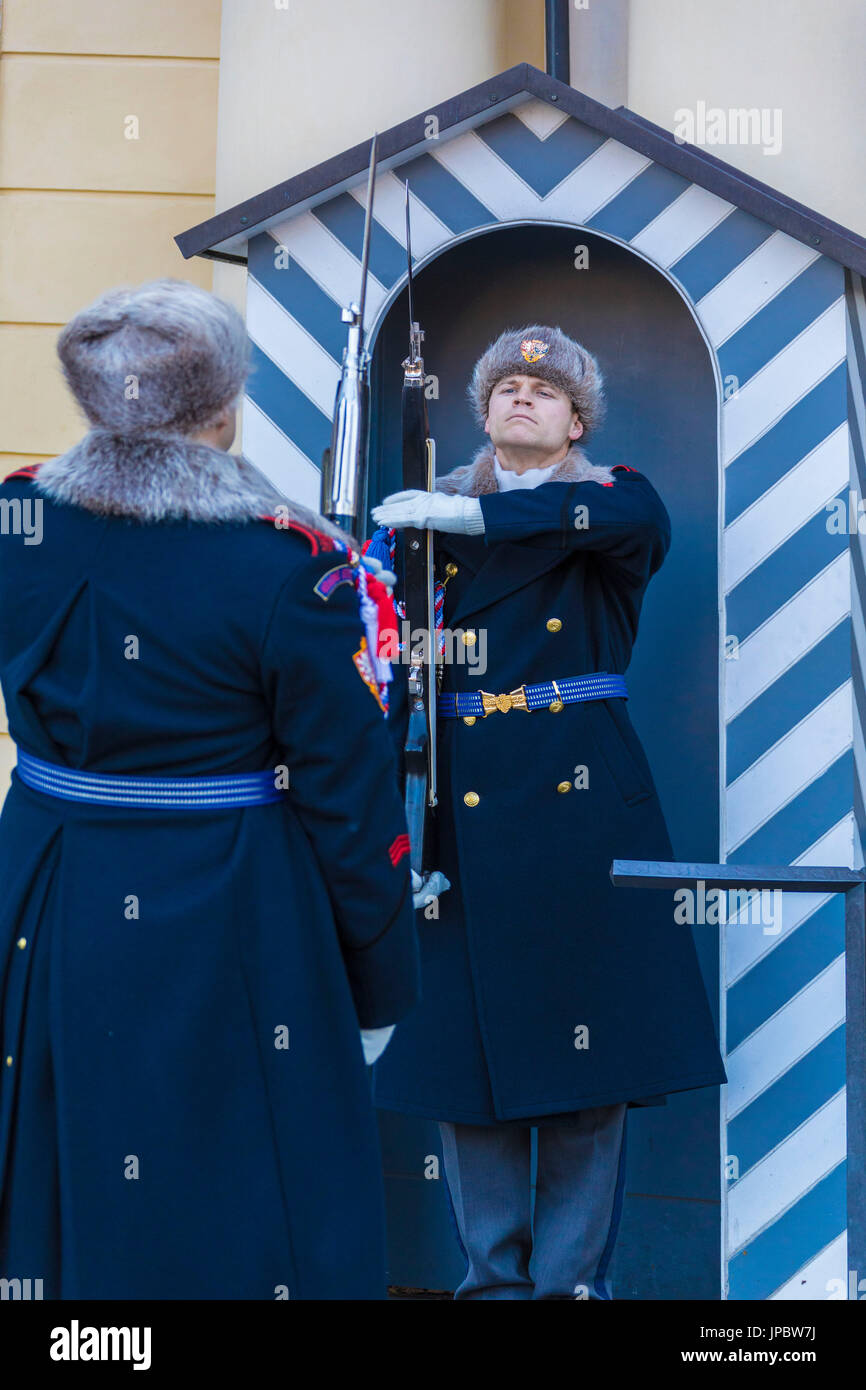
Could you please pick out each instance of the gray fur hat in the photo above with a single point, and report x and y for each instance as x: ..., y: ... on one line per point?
x: 165, y: 356
x: 548, y: 353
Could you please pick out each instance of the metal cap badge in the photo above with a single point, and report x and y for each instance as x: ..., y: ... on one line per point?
x: 533, y: 349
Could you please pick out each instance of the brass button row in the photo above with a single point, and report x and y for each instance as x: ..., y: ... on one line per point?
x: 553, y: 625
x: 472, y: 798
x: 470, y: 637
x: 21, y: 944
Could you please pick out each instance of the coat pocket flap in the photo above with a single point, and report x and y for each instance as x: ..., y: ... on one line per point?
x: 617, y: 755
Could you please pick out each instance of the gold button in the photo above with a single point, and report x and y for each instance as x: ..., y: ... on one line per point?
x: 8, y: 1061
x: 469, y: 719
x: 555, y: 706
x: 469, y: 638
x: 472, y: 798
x: 450, y: 569
x: 564, y: 787
x: 21, y: 942
x: 553, y: 624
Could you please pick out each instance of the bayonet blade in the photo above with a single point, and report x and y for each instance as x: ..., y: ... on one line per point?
x: 368, y: 227
x: 344, y: 473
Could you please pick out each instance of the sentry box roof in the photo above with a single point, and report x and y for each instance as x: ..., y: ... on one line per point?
x: 542, y: 131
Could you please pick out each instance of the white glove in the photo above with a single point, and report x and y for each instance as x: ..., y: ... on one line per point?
x: 437, y: 511
x: 374, y: 1041
x: 423, y: 889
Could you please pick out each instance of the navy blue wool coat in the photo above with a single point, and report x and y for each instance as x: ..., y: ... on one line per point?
x: 533, y: 944
x: 186, y: 1112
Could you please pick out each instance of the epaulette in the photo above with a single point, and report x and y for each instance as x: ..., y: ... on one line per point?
x: 319, y: 540
x: 28, y: 471
x: 376, y: 607
x: 615, y: 466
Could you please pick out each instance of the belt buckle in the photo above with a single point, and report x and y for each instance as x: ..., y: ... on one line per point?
x: 515, y: 699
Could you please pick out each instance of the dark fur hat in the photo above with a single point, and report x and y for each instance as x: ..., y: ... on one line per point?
x: 548, y: 353
x: 164, y: 356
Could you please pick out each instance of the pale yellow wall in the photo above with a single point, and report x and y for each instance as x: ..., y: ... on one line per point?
x: 803, y: 58
x: 301, y: 83
x: 83, y: 208
x: 301, y: 80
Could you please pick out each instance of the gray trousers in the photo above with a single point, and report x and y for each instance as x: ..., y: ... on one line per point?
x: 563, y: 1248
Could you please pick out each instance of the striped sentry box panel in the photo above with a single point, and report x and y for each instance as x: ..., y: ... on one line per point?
x: 787, y: 348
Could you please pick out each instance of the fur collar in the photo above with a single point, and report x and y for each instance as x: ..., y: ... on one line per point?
x: 479, y: 476
x: 166, y: 478
x: 169, y: 478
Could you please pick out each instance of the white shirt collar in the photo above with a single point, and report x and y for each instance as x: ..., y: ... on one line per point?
x: 507, y: 479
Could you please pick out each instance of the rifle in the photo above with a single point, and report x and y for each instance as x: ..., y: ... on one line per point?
x: 419, y: 471
x: 343, y: 497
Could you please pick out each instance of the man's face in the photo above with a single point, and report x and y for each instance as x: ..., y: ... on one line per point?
x: 529, y: 412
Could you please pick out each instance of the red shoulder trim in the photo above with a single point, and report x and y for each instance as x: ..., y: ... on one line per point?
x: 613, y: 468
x: 29, y: 471
x: 319, y: 540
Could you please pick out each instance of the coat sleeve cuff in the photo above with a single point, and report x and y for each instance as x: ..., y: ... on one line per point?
x: 374, y: 1041
x: 474, y: 516
x: 385, y: 977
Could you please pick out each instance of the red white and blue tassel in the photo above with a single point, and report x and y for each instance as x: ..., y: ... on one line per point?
x: 373, y: 583
x: 382, y: 546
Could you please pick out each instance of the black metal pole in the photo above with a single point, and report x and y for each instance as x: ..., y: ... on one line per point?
x: 556, y: 58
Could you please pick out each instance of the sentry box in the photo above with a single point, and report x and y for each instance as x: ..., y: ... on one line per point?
x: 730, y: 322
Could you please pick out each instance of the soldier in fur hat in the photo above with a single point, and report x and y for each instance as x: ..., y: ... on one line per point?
x: 550, y: 998
x: 198, y: 912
